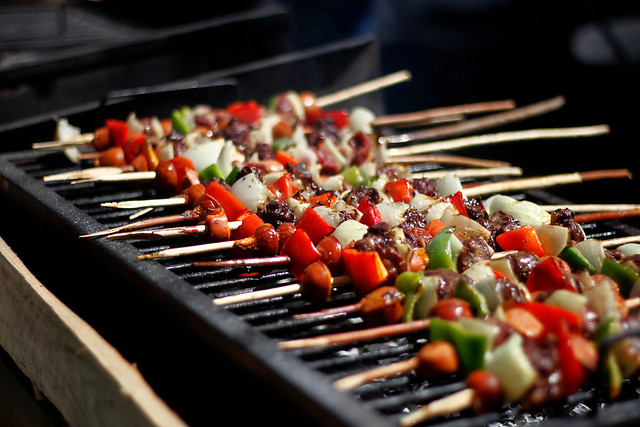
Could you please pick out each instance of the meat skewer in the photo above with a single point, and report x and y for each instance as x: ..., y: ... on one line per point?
x: 181, y: 200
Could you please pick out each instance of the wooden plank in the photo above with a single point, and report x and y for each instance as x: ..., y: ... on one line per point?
x: 84, y: 377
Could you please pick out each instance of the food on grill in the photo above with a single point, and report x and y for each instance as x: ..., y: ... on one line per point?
x: 512, y: 296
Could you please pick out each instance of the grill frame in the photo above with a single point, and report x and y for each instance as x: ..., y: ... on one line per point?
x: 302, y: 376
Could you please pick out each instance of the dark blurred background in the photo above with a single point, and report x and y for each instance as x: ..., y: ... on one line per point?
x: 58, y: 55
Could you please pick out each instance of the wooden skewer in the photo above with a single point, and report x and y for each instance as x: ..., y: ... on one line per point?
x: 386, y: 371
x: 81, y: 139
x: 472, y: 125
x: 475, y: 190
x: 450, y: 404
x: 620, y: 241
x: 126, y: 176
x: 167, y: 232
x: 146, y: 223
x: 358, y: 335
x: 274, y: 261
x: 190, y: 250
x: 424, y: 116
x: 494, y: 138
x: 607, y: 215
x: 272, y: 292
x: 90, y: 173
x: 363, y: 88
x: 447, y: 159
x: 471, y: 172
x: 593, y: 207
x: 150, y: 203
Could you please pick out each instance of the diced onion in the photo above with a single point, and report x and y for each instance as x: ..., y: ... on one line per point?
x: 392, y: 212
x: 251, y: 191
x: 528, y: 213
x: 448, y: 185
x: 204, y: 154
x: 349, y: 231
x: 360, y: 119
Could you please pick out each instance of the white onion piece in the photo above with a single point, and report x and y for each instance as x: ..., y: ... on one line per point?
x: 229, y: 155
x: 553, y: 238
x: 296, y: 104
x: 65, y: 131
x: 332, y: 217
x: 629, y: 249
x: 134, y: 124
x: 392, y: 212
x: 304, y: 155
x: 466, y: 228
x: 156, y: 127
x: 360, y: 119
x: 437, y: 210
x: 299, y: 139
x: 251, y: 191
x: 333, y: 183
x: 422, y: 202
x: 593, y: 251
x: 204, y: 154
x: 266, y: 128
x: 448, y: 185
x: 528, y: 213
x: 349, y: 231
x: 165, y: 151
x: 340, y: 159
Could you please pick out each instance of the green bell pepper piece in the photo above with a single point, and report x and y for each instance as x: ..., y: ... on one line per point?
x: 439, y: 250
x: 576, y: 260
x: 477, y: 302
x: 231, y: 178
x: 211, y: 171
x: 470, y: 346
x: 282, y: 144
x: 353, y: 175
x: 622, y: 275
x: 180, y: 122
x: 408, y: 283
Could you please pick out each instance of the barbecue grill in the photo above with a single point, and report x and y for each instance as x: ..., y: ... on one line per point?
x: 230, y: 352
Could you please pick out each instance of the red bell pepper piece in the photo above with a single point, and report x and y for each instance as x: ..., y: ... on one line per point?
x: 327, y: 199
x: 249, y: 112
x: 181, y: 164
x: 370, y: 213
x: 285, y: 185
x: 314, y: 225
x: 301, y: 250
x: 400, y: 190
x: 549, y: 274
x: 366, y: 270
x: 563, y: 324
x: 118, y: 131
x: 133, y: 146
x: 552, y: 317
x: 523, y: 238
x: 434, y: 226
x: 233, y: 207
x: 250, y: 222
x: 285, y: 158
x: 457, y: 200
x: 340, y: 117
